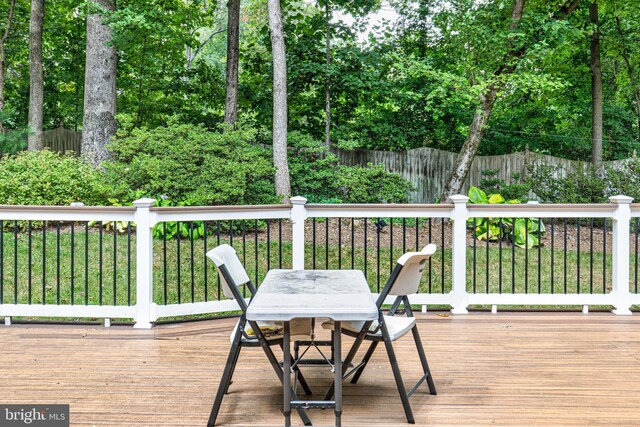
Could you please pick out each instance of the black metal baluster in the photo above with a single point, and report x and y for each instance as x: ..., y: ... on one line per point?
x: 378, y: 229
x: 58, y: 262
x: 539, y: 256
x: 313, y: 245
x: 164, y: 261
x: 268, y: 245
x: 192, y: 254
x: 326, y: 243
x: 442, y: 253
x: 486, y: 273
x: 100, y: 230
x: 244, y: 255
x: 591, y: 255
x: 15, y: 262
x: 353, y: 247
x: 128, y: 263
x: 578, y: 256
x: 635, y: 277
x: 513, y: 257
x: 604, y: 257
x: 115, y: 261
x: 72, y: 261
x: 339, y: 243
x: 86, y: 263
x: 565, y: 255
x: 475, y: 236
x: 500, y: 256
x: 430, y: 258
x: 178, y: 257
x: 218, y: 244
x: 29, y: 229
x: 417, y: 235
x: 526, y: 255
x: 391, y: 260
x: 280, y: 243
x: 255, y: 248
x: 206, y: 261
x: 364, y: 221
x: 552, y: 249
x: 404, y: 235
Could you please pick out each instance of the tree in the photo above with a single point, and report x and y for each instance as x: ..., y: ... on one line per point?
x: 36, y: 80
x: 282, y: 182
x: 99, y: 123
x: 596, y: 87
x: 516, y: 50
x: 3, y: 56
x: 233, y: 41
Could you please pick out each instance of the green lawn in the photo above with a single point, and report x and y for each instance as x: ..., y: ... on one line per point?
x: 198, y: 283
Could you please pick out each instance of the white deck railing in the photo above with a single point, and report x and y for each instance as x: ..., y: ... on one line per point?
x: 145, y: 216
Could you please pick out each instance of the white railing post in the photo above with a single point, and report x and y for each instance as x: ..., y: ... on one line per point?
x: 459, y: 296
x: 144, y: 264
x: 620, y: 263
x: 298, y: 217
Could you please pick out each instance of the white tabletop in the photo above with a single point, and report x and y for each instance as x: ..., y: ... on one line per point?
x: 336, y: 294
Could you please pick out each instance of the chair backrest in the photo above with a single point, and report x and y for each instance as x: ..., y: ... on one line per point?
x: 406, y: 276
x: 224, y: 257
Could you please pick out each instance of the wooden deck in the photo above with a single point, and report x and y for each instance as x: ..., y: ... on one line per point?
x: 511, y: 369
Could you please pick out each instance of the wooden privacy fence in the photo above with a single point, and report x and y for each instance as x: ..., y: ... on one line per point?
x: 426, y: 168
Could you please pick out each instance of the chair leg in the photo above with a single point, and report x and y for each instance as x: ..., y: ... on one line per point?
x: 423, y: 360
x: 365, y: 361
x: 396, y: 373
x: 276, y: 367
x: 234, y: 351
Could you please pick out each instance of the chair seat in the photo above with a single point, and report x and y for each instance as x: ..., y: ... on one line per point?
x: 398, y: 326
x: 300, y: 328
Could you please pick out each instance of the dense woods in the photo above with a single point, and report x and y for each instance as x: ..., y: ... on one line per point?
x: 469, y: 76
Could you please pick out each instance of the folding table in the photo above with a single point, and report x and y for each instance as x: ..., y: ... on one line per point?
x: 340, y: 295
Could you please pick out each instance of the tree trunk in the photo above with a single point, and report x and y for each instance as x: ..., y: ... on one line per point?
x: 99, y: 123
x: 630, y: 71
x: 596, y: 88
x: 233, y: 42
x: 3, y: 57
x: 327, y: 83
x: 481, y: 117
x: 283, y: 186
x: 36, y: 81
x: 471, y: 144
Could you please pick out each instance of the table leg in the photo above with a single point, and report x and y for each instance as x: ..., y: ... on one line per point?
x: 286, y: 379
x: 337, y: 344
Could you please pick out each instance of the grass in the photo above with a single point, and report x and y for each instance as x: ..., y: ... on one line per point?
x: 36, y: 275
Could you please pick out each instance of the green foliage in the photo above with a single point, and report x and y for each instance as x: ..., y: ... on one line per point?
x: 553, y: 184
x: 316, y: 175
x: 521, y: 232
x: 491, y: 184
x: 191, y: 165
x: 47, y: 178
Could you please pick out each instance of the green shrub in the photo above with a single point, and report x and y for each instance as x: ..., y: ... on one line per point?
x: 491, y: 184
x: 316, y: 175
x: 48, y: 178
x: 191, y: 165
x: 588, y: 185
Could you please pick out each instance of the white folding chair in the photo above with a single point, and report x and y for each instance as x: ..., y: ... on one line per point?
x: 232, y: 277
x: 404, y: 280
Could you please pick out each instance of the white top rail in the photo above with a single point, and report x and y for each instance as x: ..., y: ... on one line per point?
x: 67, y: 213
x: 221, y: 213
x: 379, y: 210
x: 606, y: 210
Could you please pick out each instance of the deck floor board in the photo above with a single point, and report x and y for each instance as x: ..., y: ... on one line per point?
x: 508, y: 369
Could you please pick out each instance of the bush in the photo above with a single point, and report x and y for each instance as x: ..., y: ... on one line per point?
x: 193, y: 166
x: 316, y: 175
x: 588, y: 185
x: 491, y: 184
x: 48, y: 178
